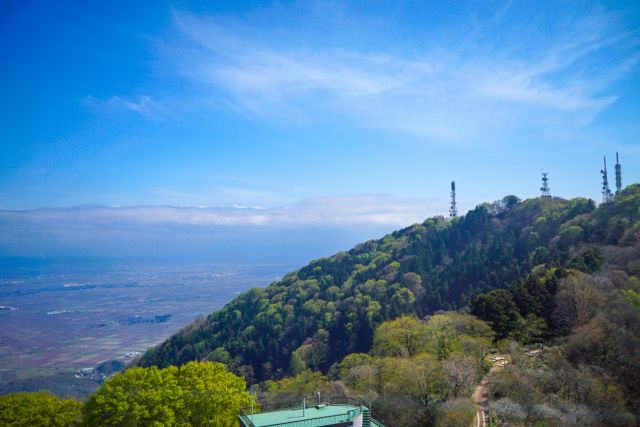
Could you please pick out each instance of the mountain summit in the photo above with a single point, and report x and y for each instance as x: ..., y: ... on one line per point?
x: 331, y: 307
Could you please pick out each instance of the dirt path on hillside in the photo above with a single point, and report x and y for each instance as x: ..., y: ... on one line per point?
x: 482, y: 391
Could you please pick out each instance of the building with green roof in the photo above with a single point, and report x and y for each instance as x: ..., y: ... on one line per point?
x: 325, y: 414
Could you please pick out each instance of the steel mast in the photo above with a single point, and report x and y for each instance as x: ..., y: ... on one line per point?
x: 546, y: 191
x: 453, y: 210
x: 607, y: 196
x: 618, y: 175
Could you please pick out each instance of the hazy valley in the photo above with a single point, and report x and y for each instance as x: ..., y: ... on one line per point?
x: 63, y: 317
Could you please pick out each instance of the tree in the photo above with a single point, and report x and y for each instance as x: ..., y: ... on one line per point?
x: 530, y: 329
x: 462, y: 374
x: 405, y: 336
x: 414, y: 282
x: 509, y: 202
x: 571, y: 235
x: 356, y: 370
x: 304, y: 384
x: 632, y: 297
x: 498, y: 308
x: 297, y: 365
x: 196, y: 394
x: 577, y: 301
x: 40, y: 409
x: 219, y: 355
x: 443, y: 336
x: 455, y: 332
x: 425, y: 380
x: 312, y: 354
x: 135, y: 397
x: 210, y: 395
x: 402, y: 302
x: 456, y: 413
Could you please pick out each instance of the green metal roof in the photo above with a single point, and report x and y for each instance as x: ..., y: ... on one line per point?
x: 324, y: 415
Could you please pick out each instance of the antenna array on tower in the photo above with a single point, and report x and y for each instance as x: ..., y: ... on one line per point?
x: 607, y: 196
x: 546, y: 191
x: 453, y: 211
x: 618, y: 174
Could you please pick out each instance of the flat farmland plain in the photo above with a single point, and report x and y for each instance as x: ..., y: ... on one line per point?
x: 57, y: 320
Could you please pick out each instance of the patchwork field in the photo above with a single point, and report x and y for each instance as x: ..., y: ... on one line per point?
x: 54, y: 321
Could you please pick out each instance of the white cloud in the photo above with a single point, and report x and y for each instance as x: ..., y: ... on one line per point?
x: 292, y: 234
x: 432, y: 94
x: 364, y: 210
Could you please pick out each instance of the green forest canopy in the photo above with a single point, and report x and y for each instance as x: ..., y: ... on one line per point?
x: 331, y: 307
x: 196, y: 394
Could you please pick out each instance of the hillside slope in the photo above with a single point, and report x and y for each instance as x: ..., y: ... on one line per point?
x: 331, y: 307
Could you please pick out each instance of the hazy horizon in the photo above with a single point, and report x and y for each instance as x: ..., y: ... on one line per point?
x: 287, y: 235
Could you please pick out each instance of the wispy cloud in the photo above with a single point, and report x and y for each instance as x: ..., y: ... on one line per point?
x: 432, y: 93
x: 143, y: 105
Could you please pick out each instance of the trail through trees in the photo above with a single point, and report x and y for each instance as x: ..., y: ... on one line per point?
x: 482, y: 391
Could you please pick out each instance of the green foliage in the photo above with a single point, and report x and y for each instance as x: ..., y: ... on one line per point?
x: 632, y: 297
x: 210, y: 395
x: 137, y: 396
x: 405, y: 336
x: 498, y: 308
x: 417, y: 365
x: 571, y: 235
x: 530, y: 329
x: 441, y: 335
x: 524, y: 310
x: 454, y: 332
x: 39, y: 409
x: 312, y: 355
x: 297, y: 364
x: 358, y: 371
x: 219, y: 355
x: 196, y: 394
x: 306, y: 383
x: 416, y: 271
x: 456, y: 413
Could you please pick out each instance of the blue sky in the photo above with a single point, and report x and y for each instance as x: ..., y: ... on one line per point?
x: 328, y: 110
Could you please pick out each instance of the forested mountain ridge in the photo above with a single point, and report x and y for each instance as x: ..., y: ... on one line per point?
x: 330, y: 308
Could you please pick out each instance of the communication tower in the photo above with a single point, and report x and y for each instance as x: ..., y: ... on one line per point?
x: 607, y: 196
x: 618, y: 175
x: 546, y: 191
x: 453, y: 210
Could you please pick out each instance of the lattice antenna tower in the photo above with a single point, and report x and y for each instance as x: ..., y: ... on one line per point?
x: 607, y: 196
x: 453, y: 210
x: 545, y: 190
x: 618, y: 175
